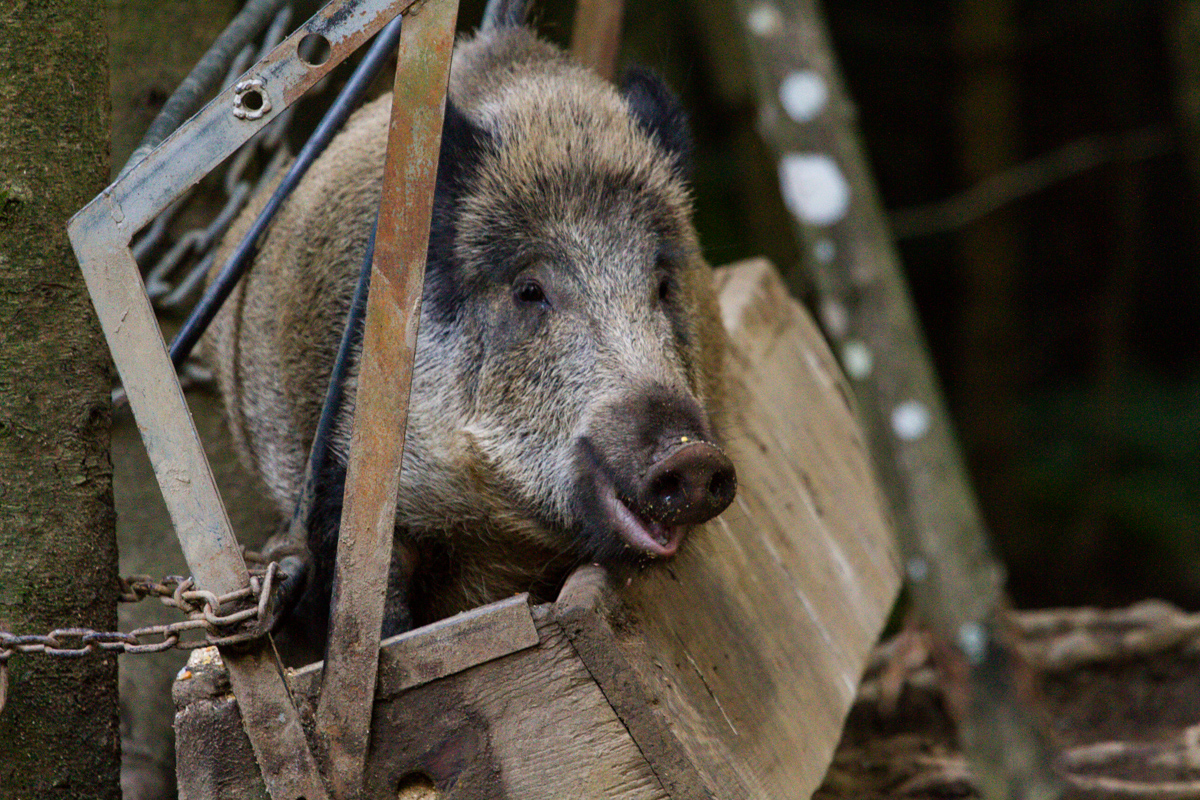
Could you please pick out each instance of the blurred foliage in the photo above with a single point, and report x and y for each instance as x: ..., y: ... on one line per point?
x: 1114, y: 482
x: 1093, y: 495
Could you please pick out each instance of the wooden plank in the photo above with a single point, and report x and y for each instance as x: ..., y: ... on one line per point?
x: 531, y: 725
x: 446, y: 647
x: 364, y: 551
x: 209, y: 137
x: 583, y: 611
x: 753, y: 640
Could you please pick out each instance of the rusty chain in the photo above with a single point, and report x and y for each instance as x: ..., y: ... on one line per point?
x: 253, y: 617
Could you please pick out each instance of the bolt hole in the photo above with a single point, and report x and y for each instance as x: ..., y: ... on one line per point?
x: 417, y: 786
x: 314, y: 50
x: 252, y: 100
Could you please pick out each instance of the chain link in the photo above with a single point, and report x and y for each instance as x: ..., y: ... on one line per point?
x: 252, y: 618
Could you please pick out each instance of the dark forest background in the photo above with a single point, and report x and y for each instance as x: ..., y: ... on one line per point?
x: 1065, y: 323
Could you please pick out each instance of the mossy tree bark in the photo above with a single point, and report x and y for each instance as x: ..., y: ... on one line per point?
x: 58, y: 733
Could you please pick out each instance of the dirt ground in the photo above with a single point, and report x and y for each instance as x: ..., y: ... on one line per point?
x: 1124, y: 723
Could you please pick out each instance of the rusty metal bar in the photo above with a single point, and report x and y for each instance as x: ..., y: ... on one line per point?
x: 385, y: 375
x: 101, y: 234
x: 596, y: 34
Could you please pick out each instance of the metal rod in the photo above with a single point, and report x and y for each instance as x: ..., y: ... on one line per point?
x: 385, y: 374
x: 241, y: 259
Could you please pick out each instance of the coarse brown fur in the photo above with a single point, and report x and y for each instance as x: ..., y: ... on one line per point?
x: 549, y: 179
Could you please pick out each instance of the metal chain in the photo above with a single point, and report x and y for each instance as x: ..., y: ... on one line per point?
x: 252, y: 619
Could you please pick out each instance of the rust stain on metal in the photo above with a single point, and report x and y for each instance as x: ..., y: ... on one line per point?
x: 381, y: 410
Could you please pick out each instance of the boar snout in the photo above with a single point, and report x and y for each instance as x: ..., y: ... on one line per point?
x: 689, y: 486
x: 649, y: 473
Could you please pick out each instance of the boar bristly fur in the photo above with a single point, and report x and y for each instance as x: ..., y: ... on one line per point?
x: 566, y: 398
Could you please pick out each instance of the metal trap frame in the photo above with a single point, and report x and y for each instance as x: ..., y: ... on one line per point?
x: 101, y: 235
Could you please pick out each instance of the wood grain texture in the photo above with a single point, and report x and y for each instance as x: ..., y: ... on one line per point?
x: 753, y: 640
x: 444, y: 648
x: 531, y: 725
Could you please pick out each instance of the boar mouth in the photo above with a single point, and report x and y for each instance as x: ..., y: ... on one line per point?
x: 605, y: 513
x: 645, y: 535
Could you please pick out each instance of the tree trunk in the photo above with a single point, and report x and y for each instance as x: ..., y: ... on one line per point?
x: 987, y: 362
x: 807, y: 116
x: 58, y: 733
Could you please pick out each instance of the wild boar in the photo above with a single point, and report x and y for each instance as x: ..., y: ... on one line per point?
x: 567, y: 402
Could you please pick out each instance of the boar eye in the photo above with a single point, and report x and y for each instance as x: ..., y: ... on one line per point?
x: 529, y: 291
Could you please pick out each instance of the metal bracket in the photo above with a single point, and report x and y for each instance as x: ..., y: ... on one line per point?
x: 364, y: 551
x: 101, y: 234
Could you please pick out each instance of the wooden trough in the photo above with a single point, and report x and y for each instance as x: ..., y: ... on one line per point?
x: 726, y: 673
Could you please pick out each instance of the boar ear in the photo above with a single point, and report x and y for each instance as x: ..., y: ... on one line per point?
x: 658, y: 113
x: 464, y: 144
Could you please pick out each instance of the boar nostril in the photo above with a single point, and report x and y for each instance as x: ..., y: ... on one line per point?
x: 691, y: 485
x: 666, y: 488
x: 722, y: 486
